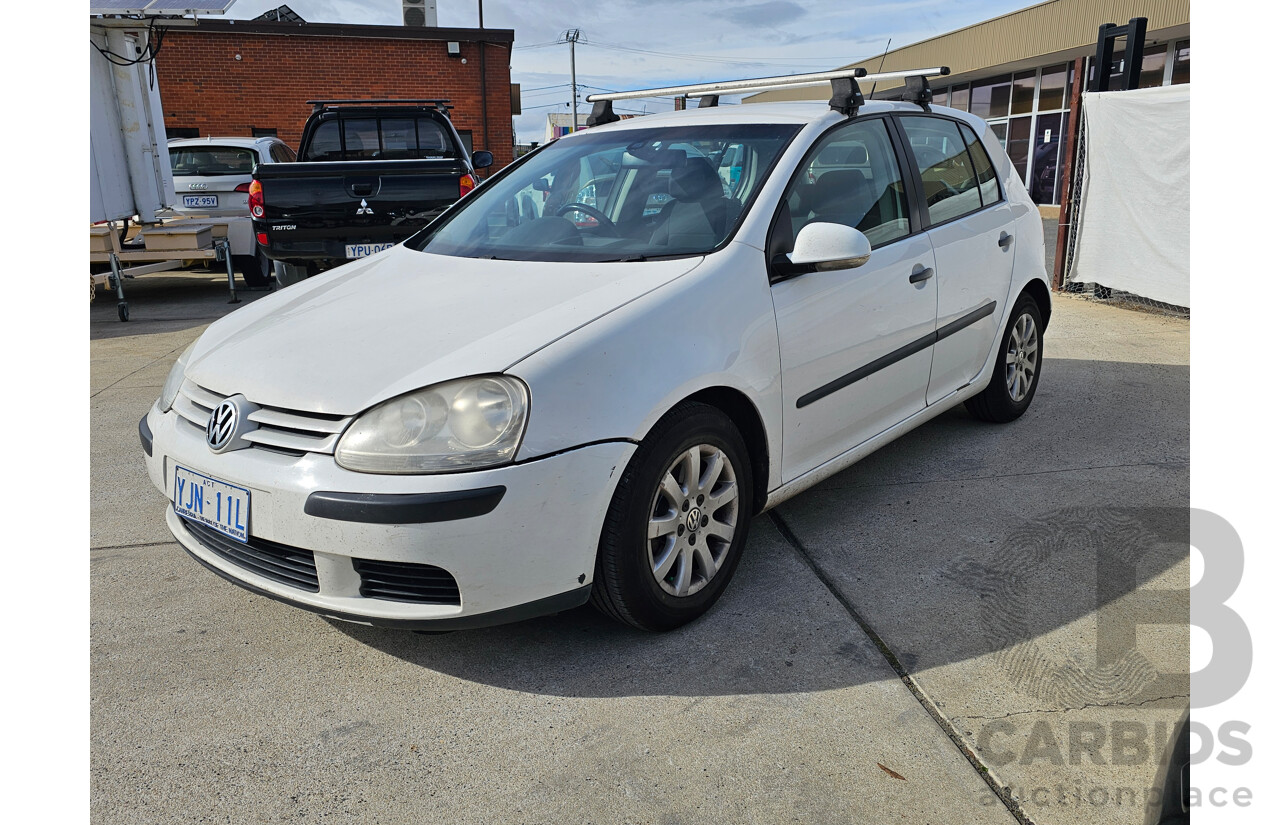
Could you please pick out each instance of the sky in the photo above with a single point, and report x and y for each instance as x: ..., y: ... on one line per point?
x: 630, y: 44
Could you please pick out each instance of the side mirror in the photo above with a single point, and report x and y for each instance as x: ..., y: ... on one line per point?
x: 823, y: 247
x: 482, y: 159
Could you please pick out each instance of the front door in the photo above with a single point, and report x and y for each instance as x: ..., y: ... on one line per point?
x: 856, y: 344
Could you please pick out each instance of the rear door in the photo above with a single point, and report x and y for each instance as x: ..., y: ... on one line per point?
x: 968, y: 219
x: 855, y: 344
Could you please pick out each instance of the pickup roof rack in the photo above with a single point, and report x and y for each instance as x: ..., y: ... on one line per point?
x: 846, y: 96
x: 441, y: 105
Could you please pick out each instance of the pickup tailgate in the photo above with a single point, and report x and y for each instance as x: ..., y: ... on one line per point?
x: 319, y: 210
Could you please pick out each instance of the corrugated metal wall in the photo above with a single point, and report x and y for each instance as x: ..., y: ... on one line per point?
x: 1043, y: 29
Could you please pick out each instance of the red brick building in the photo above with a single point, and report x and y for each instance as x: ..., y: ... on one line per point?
x: 233, y: 77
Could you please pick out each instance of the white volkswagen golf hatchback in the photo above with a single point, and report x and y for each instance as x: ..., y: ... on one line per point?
x: 583, y: 380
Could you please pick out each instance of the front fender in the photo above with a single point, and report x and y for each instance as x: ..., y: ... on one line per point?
x: 614, y: 378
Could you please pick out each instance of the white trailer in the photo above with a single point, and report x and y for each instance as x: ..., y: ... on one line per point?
x: 129, y: 173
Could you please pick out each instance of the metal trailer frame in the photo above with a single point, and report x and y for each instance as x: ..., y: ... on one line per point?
x: 155, y: 260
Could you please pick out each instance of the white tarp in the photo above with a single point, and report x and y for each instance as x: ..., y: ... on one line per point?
x: 1134, y: 218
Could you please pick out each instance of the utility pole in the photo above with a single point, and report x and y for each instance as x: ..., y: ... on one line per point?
x: 571, y: 37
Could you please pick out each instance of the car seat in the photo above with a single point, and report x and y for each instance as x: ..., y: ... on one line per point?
x: 697, y: 216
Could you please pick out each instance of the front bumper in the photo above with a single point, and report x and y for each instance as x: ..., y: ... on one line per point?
x: 527, y: 551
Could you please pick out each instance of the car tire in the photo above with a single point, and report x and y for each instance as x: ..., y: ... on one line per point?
x: 654, y: 569
x: 255, y: 269
x: 1019, y: 362
x: 289, y: 274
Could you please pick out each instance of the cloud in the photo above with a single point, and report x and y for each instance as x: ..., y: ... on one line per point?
x: 646, y: 43
x: 771, y: 14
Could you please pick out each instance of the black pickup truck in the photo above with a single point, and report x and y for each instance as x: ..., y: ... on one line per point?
x: 370, y: 174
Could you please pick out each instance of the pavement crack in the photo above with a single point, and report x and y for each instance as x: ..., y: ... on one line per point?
x: 131, y: 546
x: 1000, y: 791
x: 1085, y: 706
x: 1175, y: 462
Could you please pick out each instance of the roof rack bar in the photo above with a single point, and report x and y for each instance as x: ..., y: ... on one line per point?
x: 700, y: 89
x: 934, y: 72
x: 768, y: 84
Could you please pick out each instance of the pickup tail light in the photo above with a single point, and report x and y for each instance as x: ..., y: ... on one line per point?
x: 255, y: 199
x: 262, y: 238
x: 466, y: 183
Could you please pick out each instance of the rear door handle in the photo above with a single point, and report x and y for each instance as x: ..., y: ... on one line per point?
x: 921, y: 274
x: 1005, y: 240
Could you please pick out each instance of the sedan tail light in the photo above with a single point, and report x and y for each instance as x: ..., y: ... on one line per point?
x: 465, y: 184
x: 255, y: 199
x: 244, y: 187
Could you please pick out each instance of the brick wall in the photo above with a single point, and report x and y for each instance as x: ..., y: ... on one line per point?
x: 204, y: 85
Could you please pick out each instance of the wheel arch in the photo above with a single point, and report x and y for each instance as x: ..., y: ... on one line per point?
x: 1039, y: 292
x: 744, y: 415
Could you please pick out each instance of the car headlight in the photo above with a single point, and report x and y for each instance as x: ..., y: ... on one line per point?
x: 466, y: 424
x: 174, y: 382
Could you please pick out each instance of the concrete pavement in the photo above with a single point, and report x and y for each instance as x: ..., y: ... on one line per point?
x: 970, y: 553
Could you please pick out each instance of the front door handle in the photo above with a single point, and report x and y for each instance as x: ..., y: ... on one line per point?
x: 921, y: 274
x: 1005, y: 240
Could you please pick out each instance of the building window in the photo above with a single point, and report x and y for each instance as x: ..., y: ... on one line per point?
x: 1153, y: 62
x: 181, y: 132
x: 263, y: 131
x: 465, y: 135
x: 990, y: 98
x: 1181, y: 63
x: 1024, y: 92
x: 1053, y: 88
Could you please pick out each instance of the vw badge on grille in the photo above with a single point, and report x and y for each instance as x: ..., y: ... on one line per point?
x: 222, y: 425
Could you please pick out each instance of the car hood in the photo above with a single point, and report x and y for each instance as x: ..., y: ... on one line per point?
x: 368, y: 331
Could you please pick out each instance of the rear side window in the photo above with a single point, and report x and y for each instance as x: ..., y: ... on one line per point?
x: 946, y: 170
x: 326, y: 142
x: 982, y: 165
x: 387, y: 138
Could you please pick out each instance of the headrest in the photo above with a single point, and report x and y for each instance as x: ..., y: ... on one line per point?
x: 696, y: 180
x: 857, y: 155
x: 928, y: 156
x: 837, y: 184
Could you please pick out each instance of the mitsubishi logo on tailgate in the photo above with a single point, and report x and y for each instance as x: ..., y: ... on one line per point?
x: 364, y: 208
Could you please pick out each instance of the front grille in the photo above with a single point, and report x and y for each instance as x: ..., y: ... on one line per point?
x: 405, y: 582
x: 279, y: 430
x: 278, y: 562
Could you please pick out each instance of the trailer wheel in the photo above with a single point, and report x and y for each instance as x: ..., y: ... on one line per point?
x: 254, y: 269
x: 122, y: 309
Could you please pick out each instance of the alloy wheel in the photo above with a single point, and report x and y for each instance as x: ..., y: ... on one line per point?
x: 692, y: 520
x: 1022, y: 357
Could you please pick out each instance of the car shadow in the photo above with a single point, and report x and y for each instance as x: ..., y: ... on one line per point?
x: 960, y: 539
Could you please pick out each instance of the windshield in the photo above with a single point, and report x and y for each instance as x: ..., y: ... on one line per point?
x: 211, y: 160
x: 616, y: 195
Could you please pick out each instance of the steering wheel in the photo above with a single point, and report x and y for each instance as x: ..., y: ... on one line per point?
x: 600, y: 217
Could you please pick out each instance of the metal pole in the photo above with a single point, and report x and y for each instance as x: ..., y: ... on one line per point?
x: 573, y: 77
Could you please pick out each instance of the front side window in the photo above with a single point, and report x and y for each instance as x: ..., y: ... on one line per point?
x: 851, y: 177
x: 620, y: 195
x: 949, y: 178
